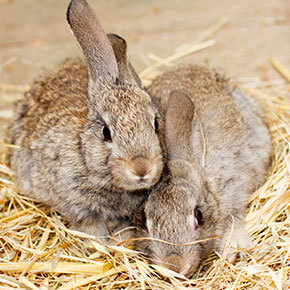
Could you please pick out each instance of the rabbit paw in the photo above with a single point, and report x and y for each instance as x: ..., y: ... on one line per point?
x: 92, y: 226
x: 236, y: 242
x: 240, y: 242
x: 121, y: 230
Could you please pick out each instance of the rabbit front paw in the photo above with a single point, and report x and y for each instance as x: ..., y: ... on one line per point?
x: 240, y: 242
x: 237, y: 242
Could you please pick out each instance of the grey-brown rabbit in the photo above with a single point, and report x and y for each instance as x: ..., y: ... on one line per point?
x: 87, y: 133
x: 218, y: 154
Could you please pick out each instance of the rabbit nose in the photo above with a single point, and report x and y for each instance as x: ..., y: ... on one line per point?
x: 173, y: 262
x: 141, y: 166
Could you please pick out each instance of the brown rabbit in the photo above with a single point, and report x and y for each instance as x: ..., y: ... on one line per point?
x: 218, y: 154
x: 88, y: 142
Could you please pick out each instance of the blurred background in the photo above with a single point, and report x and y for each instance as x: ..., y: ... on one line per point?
x: 239, y: 35
x: 34, y: 33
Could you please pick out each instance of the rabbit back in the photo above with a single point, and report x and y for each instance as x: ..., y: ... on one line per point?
x: 46, y: 99
x: 235, y: 145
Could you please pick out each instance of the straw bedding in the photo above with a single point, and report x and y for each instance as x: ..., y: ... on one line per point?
x: 38, y: 251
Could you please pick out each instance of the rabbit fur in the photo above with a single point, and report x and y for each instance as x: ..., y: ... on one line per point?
x: 86, y: 134
x: 218, y: 150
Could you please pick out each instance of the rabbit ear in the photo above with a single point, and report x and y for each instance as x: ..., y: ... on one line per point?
x: 184, y: 134
x: 126, y: 71
x: 93, y: 40
x: 179, y: 126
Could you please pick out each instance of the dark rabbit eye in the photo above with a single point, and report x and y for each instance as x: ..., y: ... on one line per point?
x: 107, y: 134
x: 198, y: 217
x: 156, y: 125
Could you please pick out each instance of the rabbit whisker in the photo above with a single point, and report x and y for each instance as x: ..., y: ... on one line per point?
x: 169, y: 243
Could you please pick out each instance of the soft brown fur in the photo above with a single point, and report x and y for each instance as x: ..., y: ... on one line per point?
x: 64, y: 160
x: 218, y: 154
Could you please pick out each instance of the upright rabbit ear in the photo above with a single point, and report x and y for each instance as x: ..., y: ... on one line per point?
x: 93, y: 40
x: 126, y: 71
x: 179, y: 126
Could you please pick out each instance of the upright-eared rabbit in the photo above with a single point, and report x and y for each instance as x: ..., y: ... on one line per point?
x: 87, y: 133
x: 218, y: 154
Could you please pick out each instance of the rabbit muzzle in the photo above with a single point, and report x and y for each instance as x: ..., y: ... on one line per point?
x: 180, y: 264
x: 138, y: 173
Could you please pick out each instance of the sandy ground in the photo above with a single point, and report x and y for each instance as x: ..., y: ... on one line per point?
x: 34, y: 36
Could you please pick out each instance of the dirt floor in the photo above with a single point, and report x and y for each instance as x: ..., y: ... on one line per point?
x: 34, y: 36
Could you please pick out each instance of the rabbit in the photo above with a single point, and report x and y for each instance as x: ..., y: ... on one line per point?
x: 218, y: 151
x: 87, y: 134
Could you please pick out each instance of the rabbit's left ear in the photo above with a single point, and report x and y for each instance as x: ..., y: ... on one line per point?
x: 126, y: 71
x: 94, y: 42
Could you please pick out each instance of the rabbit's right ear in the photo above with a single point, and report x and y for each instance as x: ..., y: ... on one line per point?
x: 93, y: 41
x: 126, y: 71
x: 179, y: 126
x: 183, y: 131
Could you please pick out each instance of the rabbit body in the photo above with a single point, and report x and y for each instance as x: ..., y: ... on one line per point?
x: 218, y: 154
x: 86, y: 136
x: 236, y: 142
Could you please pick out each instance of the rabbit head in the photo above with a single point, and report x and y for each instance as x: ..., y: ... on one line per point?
x: 181, y: 210
x: 122, y: 149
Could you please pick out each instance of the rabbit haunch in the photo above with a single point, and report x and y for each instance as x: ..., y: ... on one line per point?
x: 218, y: 150
x: 87, y: 136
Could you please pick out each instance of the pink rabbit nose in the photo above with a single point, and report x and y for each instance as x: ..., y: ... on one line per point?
x: 140, y: 166
x: 173, y: 262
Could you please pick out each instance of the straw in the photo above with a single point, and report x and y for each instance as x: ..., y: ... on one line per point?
x: 38, y: 251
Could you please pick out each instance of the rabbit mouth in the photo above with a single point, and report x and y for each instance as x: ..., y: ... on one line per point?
x: 189, y: 270
x: 143, y: 181
x: 139, y: 173
x: 183, y: 265
x: 135, y: 181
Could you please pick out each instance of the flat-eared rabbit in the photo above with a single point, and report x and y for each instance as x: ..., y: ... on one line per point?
x: 218, y: 154
x: 87, y: 137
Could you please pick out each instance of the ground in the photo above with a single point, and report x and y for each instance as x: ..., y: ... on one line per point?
x: 34, y: 36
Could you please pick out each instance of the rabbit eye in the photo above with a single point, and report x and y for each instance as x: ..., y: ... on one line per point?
x: 107, y: 134
x: 198, y: 217
x: 156, y: 125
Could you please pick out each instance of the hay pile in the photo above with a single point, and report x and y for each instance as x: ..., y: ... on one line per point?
x: 37, y: 251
